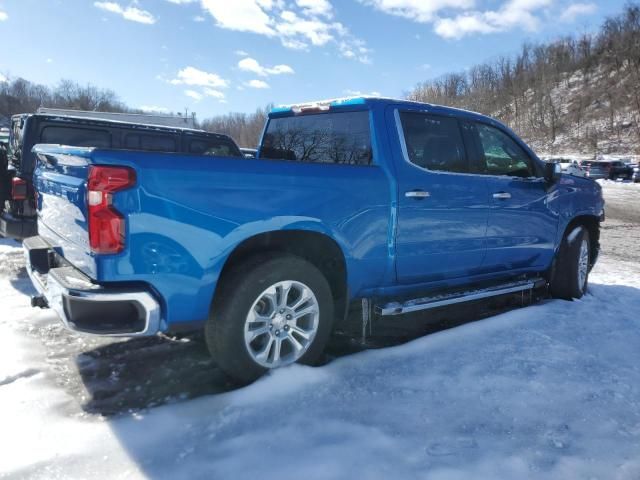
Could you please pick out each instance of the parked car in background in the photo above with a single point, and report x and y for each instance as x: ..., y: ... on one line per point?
x: 393, y: 205
x: 569, y: 166
x: 607, y: 169
x: 249, y: 152
x: 18, y: 217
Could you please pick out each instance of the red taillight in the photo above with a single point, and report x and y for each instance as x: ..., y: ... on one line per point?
x: 106, y: 224
x: 18, y: 189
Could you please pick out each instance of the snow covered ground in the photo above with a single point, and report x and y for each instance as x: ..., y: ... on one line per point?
x: 548, y: 391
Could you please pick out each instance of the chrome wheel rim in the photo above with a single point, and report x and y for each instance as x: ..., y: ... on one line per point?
x: 583, y: 264
x: 281, y: 324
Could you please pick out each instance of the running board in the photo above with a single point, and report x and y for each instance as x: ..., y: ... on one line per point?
x: 425, y: 303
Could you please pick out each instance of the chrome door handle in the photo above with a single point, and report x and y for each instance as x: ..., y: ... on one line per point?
x: 417, y: 194
x: 502, y: 195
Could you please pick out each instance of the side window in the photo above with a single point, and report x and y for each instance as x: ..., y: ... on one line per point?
x: 76, y: 137
x: 220, y: 148
x: 502, y: 155
x: 434, y: 142
x: 151, y: 143
x: 320, y: 138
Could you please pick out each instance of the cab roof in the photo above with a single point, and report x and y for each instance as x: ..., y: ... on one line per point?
x: 342, y: 102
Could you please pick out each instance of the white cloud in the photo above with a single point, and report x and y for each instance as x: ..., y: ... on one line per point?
x: 422, y: 11
x: 256, y: 84
x: 512, y: 14
x: 3, y: 16
x: 199, y: 19
x: 241, y: 15
x: 316, y: 7
x: 193, y: 94
x: 210, y: 92
x: 180, y: 2
x: 133, y: 14
x: 576, y: 9
x: 153, y: 109
x: 470, y: 20
x: 249, y: 64
x: 241, y: 53
x: 195, y: 77
x: 3, y: 79
x: 49, y: 60
x: 298, y: 25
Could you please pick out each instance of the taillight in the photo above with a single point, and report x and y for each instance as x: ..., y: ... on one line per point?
x: 18, y: 189
x: 106, y: 224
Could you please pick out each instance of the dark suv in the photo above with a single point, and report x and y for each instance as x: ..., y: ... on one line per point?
x: 17, y: 196
x: 611, y: 170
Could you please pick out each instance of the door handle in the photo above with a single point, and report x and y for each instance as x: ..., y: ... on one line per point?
x: 502, y: 195
x: 417, y: 194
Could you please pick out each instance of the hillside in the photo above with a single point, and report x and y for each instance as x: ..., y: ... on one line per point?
x: 576, y: 94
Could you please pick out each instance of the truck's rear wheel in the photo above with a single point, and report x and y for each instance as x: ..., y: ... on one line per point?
x: 571, y: 272
x: 269, y: 312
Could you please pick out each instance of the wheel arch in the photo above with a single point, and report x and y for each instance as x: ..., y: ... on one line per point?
x: 592, y: 225
x: 317, y: 248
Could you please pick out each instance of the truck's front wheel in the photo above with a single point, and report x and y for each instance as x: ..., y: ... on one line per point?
x: 269, y: 312
x: 571, y: 272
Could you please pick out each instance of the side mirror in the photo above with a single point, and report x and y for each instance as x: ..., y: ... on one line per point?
x: 552, y: 172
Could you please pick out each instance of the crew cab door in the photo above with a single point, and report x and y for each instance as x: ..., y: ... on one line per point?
x: 522, y: 227
x: 442, y: 208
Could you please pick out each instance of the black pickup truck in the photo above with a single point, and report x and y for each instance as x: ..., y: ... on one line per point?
x: 17, y: 196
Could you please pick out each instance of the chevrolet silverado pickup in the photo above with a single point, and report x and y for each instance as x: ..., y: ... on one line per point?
x: 393, y: 205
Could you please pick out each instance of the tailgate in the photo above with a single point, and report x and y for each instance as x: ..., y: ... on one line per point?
x: 60, y: 180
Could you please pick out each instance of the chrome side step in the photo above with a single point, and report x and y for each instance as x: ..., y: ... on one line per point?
x: 425, y: 303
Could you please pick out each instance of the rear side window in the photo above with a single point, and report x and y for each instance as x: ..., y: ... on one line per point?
x: 76, y: 137
x: 501, y: 155
x: 434, y: 142
x: 343, y: 138
x: 220, y: 147
x: 150, y: 143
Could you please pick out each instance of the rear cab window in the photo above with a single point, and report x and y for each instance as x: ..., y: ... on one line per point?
x: 76, y: 136
x: 150, y: 142
x: 332, y: 137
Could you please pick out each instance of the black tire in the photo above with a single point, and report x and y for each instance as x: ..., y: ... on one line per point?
x: 565, y: 282
x: 240, y: 288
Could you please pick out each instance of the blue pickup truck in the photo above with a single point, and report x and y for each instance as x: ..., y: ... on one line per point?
x: 393, y: 205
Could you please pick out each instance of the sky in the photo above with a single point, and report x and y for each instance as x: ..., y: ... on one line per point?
x: 217, y: 56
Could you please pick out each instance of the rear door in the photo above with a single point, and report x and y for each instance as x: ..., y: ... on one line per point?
x: 442, y: 207
x: 522, y: 226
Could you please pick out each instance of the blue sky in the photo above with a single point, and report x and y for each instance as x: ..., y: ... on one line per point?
x: 216, y: 56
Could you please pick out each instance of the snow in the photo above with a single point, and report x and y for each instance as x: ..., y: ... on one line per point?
x: 550, y: 391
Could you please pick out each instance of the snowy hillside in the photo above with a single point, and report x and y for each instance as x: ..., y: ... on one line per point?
x: 550, y: 391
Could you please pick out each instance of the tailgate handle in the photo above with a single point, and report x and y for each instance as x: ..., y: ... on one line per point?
x: 502, y: 195
x: 49, y: 160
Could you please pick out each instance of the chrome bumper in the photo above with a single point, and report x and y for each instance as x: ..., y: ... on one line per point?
x: 66, y: 289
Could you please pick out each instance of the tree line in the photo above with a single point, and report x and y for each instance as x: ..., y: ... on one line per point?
x: 580, y: 92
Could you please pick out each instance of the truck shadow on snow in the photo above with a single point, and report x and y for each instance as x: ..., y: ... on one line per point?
x: 127, y: 376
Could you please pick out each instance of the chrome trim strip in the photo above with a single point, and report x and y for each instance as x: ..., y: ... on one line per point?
x: 53, y: 291
x: 434, y: 302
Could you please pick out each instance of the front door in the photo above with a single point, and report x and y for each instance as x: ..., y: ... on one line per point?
x: 522, y: 227
x: 442, y: 207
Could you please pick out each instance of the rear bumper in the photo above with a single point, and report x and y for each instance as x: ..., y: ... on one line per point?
x: 84, y: 306
x: 16, y: 227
